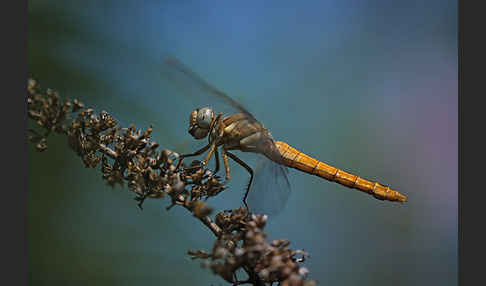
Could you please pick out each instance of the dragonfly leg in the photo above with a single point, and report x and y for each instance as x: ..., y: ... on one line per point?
x: 210, y: 153
x: 216, y: 157
x: 226, y: 165
x: 205, y: 161
x: 239, y: 161
x: 198, y: 152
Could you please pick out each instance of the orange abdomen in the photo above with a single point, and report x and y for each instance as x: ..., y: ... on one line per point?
x: 300, y: 161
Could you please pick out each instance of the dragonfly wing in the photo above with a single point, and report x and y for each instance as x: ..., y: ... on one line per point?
x: 270, y: 189
x: 187, y: 80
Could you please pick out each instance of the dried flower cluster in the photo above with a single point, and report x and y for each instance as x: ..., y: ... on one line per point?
x: 242, y: 245
x: 128, y: 155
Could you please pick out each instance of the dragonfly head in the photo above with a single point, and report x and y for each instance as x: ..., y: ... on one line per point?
x: 200, y: 122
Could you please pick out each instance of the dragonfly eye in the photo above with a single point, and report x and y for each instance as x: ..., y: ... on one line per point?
x: 198, y: 132
x: 204, y: 117
x: 200, y: 122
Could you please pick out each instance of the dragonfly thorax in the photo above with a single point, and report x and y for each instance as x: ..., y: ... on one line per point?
x: 200, y: 122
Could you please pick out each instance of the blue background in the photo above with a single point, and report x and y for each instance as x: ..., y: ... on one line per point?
x: 367, y: 86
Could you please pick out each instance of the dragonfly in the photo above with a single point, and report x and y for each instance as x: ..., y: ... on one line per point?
x: 241, y: 131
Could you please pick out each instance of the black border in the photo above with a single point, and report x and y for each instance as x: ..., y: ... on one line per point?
x: 14, y: 161
x: 471, y: 193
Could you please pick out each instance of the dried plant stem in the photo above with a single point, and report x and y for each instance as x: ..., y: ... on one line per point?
x: 127, y: 155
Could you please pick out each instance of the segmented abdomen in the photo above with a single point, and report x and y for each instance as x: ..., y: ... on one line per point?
x: 300, y: 161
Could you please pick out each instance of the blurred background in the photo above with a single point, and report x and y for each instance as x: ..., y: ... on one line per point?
x: 367, y: 86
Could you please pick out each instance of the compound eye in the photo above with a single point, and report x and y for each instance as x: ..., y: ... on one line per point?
x: 199, y: 133
x: 204, y: 117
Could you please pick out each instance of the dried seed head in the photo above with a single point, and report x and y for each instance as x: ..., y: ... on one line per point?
x: 129, y: 155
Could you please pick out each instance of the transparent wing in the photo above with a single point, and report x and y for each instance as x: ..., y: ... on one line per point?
x: 270, y: 189
x: 187, y: 81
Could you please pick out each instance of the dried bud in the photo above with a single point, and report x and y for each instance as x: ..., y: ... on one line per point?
x: 201, y: 209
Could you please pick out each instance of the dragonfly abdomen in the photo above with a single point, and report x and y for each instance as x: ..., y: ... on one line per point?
x: 300, y: 161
